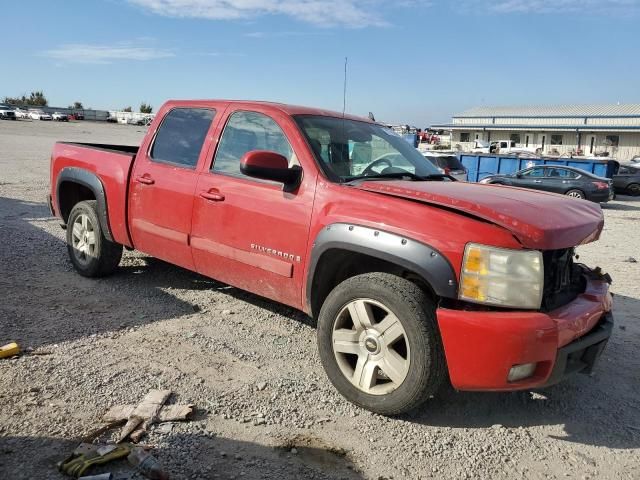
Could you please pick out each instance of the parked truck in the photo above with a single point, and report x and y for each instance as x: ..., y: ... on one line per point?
x: 415, y: 280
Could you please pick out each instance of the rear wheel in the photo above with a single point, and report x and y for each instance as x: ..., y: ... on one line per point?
x: 90, y: 252
x: 634, y: 189
x: 379, y: 343
x: 575, y: 193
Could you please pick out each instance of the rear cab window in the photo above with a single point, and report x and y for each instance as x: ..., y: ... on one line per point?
x: 181, y: 135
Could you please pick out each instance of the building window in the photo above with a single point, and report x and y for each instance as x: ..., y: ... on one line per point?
x: 515, y: 137
x: 613, y: 140
x: 526, y: 141
x: 556, y: 139
x: 465, y: 137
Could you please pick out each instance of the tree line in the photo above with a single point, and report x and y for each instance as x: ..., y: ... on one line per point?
x: 38, y: 99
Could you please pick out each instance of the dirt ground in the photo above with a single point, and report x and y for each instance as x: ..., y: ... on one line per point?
x: 264, y: 406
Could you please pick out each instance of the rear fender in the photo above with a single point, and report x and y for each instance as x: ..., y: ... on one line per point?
x: 91, y: 181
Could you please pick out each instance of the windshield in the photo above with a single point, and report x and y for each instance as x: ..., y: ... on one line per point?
x: 347, y: 149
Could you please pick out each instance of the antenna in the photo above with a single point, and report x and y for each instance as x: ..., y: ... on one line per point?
x: 344, y: 93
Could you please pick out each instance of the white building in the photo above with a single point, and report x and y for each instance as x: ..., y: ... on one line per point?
x: 565, y: 129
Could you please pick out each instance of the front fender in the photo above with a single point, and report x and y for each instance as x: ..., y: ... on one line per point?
x: 415, y: 256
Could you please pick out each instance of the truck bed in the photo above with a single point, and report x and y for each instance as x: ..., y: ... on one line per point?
x: 110, y: 166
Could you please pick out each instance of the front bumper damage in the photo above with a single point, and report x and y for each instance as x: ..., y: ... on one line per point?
x: 581, y: 355
x: 482, y: 346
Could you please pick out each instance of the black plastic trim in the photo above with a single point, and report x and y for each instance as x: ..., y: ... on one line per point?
x: 128, y: 150
x: 581, y: 355
x: 422, y: 259
x: 93, y: 183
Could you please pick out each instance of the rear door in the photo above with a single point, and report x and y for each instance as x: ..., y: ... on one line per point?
x: 247, y: 232
x: 559, y: 180
x: 163, y: 182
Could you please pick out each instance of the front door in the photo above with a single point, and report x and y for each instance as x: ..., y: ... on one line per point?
x: 592, y: 145
x: 251, y: 233
x: 531, y: 178
x: 163, y: 182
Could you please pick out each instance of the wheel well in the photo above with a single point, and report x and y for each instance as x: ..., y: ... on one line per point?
x: 69, y: 194
x: 337, y: 265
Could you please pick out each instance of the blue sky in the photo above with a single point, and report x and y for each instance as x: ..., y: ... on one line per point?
x: 410, y: 61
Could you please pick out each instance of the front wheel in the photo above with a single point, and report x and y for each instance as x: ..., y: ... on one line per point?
x: 91, y: 253
x: 575, y: 194
x: 379, y: 343
x: 634, y: 189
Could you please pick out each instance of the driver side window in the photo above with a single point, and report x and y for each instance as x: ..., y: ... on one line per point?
x: 246, y: 132
x: 534, y: 172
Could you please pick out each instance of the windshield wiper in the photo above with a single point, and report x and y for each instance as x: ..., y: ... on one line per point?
x: 395, y: 176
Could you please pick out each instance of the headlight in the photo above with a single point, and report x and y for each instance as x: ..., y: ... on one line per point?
x: 502, y: 277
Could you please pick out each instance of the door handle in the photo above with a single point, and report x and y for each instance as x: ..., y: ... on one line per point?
x: 213, y: 195
x: 537, y: 181
x: 145, y: 179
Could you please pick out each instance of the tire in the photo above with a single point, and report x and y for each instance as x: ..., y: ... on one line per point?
x: 96, y: 259
x: 634, y: 189
x: 411, y: 348
x: 575, y: 193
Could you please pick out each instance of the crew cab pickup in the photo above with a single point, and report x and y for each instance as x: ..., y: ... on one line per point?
x: 415, y: 279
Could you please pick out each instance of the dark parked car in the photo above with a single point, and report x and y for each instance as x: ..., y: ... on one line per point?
x: 627, y: 181
x: 447, y: 164
x: 569, y: 181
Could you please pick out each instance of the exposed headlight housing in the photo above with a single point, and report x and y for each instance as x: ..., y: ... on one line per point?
x: 502, y: 277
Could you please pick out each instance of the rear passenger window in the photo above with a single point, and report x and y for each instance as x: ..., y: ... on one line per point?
x: 181, y: 136
x: 245, y: 132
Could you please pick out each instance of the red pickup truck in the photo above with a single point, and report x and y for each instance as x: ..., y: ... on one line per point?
x: 415, y: 279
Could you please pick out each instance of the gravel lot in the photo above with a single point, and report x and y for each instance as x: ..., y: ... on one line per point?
x: 264, y: 406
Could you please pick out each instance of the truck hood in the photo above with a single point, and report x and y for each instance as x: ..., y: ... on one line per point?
x: 539, y: 220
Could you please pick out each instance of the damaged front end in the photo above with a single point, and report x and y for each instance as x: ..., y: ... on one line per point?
x: 565, y: 279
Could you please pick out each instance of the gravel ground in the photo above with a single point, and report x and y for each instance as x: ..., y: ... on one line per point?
x: 264, y: 406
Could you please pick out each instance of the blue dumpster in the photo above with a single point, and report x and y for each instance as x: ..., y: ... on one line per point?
x: 483, y: 165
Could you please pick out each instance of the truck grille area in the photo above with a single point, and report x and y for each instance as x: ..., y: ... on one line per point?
x: 563, y: 279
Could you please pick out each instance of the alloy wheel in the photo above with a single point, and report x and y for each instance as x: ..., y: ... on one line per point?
x: 371, y: 346
x: 83, y: 238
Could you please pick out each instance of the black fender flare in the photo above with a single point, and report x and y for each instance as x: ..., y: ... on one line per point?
x: 416, y: 256
x: 91, y: 181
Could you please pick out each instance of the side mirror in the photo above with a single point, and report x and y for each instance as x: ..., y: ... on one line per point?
x: 272, y: 166
x: 518, y: 175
